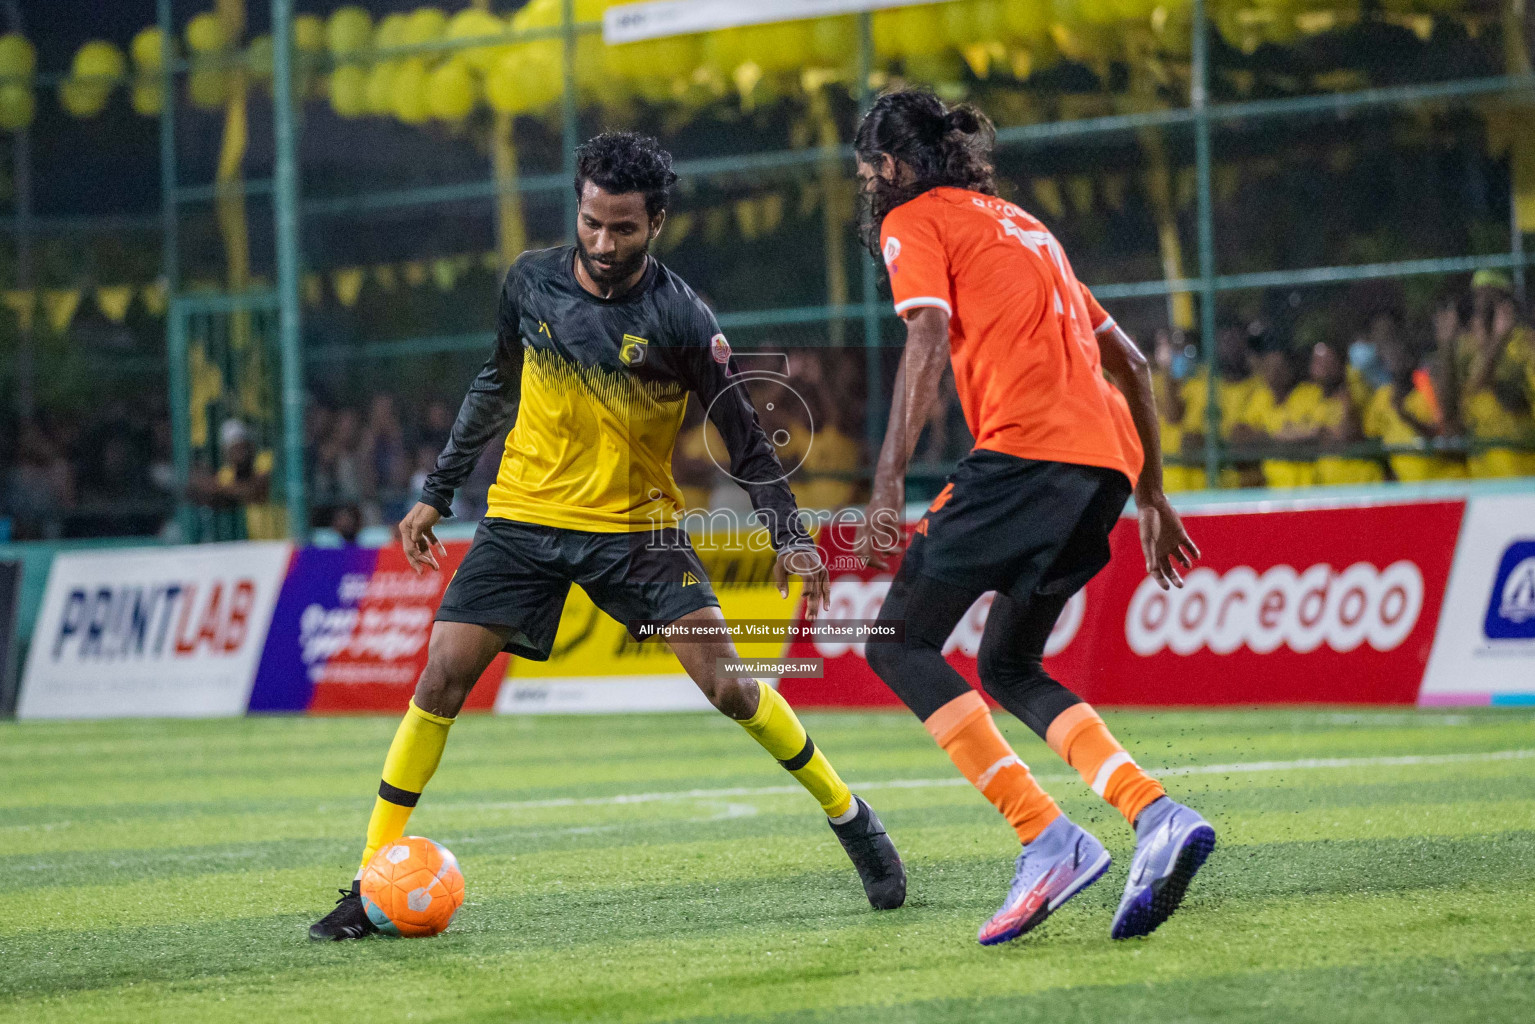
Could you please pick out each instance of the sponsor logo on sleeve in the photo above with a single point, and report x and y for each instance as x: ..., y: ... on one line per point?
x: 892, y: 252
x: 1511, y: 606
x: 719, y: 348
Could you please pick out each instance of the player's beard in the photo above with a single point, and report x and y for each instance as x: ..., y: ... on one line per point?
x: 617, y: 272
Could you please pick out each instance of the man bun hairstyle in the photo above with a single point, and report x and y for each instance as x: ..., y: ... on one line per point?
x: 622, y: 162
x: 943, y: 146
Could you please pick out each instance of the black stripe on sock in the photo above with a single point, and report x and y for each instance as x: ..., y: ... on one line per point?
x: 801, y: 759
x: 402, y: 797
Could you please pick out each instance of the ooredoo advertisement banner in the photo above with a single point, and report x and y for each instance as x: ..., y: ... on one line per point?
x: 173, y: 631
x: 1299, y: 606
x: 350, y: 633
x: 1484, y: 652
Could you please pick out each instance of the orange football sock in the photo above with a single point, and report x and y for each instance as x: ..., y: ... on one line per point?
x: 1085, y: 743
x: 964, y: 729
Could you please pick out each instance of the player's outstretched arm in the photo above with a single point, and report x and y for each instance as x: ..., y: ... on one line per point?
x: 1163, y: 538
x: 916, y: 390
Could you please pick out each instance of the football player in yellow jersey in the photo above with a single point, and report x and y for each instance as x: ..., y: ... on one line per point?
x: 1402, y: 414
x: 598, y: 346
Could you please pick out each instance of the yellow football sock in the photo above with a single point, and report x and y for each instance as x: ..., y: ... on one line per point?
x: 778, y: 729
x: 412, y: 759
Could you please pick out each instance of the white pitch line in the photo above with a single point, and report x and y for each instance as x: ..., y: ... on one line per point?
x: 1239, y: 768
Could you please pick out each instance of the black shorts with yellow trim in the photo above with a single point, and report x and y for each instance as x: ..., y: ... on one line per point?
x: 516, y: 575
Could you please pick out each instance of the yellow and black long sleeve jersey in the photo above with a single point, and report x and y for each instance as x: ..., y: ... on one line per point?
x: 596, y: 390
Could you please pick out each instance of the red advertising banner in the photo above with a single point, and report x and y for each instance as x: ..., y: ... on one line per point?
x: 1312, y: 605
x: 383, y: 646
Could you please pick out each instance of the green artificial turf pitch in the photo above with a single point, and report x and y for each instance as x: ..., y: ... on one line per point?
x: 1373, y: 865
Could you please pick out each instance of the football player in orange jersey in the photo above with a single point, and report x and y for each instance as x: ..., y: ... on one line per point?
x: 1059, y: 400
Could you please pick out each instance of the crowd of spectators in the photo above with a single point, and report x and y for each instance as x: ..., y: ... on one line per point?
x: 1362, y: 394
x: 1359, y: 391
x: 83, y: 476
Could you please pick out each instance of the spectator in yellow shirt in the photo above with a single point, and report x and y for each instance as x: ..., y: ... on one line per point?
x: 1169, y: 392
x: 1494, y: 372
x: 1336, y: 420
x: 240, y: 491
x: 1235, y: 385
x: 1405, y: 413
x: 1279, y: 416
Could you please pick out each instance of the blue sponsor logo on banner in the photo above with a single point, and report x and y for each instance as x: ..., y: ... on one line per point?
x: 315, y: 617
x: 1511, y: 607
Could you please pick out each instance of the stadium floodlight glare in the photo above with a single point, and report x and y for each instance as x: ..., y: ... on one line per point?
x: 631, y: 23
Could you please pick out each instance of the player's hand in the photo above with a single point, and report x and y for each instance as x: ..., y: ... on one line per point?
x: 808, y: 565
x: 417, y: 538
x: 879, y: 536
x: 1164, y: 540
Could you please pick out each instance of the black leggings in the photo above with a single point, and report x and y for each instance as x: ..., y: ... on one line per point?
x: 1010, y: 658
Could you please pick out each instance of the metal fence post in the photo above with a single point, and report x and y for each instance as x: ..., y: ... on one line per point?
x: 285, y: 200
x: 873, y: 368
x: 170, y: 243
x: 1199, y: 99
x: 569, y: 128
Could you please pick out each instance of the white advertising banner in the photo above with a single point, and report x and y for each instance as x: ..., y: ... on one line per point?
x: 173, y: 631
x: 1484, y: 651
x: 630, y: 23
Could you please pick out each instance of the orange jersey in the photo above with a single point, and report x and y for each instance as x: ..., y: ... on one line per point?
x: 1021, y: 328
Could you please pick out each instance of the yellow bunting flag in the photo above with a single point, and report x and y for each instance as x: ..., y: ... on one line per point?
x: 22, y: 303
x: 444, y: 274
x: 1522, y: 155
x: 347, y: 284
x: 114, y: 300
x: 314, y: 289
x: 155, y: 297
x: 415, y: 273
x: 1048, y: 195
x: 60, y: 305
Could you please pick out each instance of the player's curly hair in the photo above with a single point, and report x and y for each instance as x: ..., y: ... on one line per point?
x: 942, y: 146
x: 620, y: 162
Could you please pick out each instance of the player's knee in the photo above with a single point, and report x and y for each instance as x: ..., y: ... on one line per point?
x: 1002, y: 672
x: 444, y: 683
x: 734, y: 697
x: 884, y: 659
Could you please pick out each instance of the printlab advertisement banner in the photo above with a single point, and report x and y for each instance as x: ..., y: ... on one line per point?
x: 172, y: 631
x: 1311, y: 605
x: 350, y: 633
x: 1485, y: 649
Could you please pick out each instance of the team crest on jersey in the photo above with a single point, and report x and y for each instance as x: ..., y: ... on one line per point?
x: 632, y: 351
x: 719, y: 348
x: 892, y: 252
